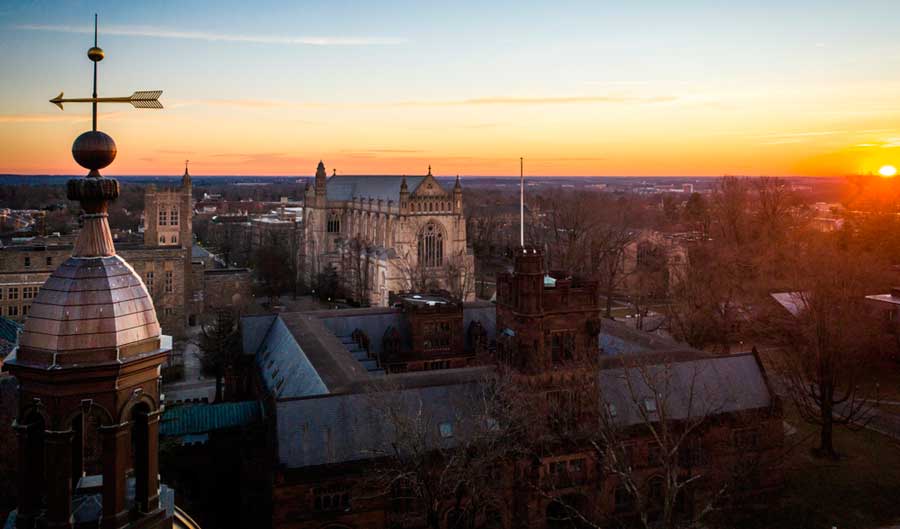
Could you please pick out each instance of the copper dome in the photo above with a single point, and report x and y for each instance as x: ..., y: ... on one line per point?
x: 91, y: 310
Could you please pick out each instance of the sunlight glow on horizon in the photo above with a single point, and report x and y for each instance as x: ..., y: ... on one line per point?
x: 625, y: 91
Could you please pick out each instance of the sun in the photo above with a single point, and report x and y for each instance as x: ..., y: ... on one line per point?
x: 887, y: 171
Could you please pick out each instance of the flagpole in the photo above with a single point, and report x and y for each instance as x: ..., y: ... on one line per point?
x: 522, y: 202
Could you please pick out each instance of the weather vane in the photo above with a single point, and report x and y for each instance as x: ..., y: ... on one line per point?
x: 95, y: 150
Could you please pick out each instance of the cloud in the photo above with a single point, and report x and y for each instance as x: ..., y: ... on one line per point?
x: 162, y: 33
x: 59, y: 117
x: 564, y: 100
x: 477, y: 101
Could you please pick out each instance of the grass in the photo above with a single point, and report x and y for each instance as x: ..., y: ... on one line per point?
x: 859, y: 491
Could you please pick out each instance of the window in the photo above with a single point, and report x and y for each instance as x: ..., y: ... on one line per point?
x: 446, y: 429
x: 12, y: 310
x: 334, y: 223
x: 13, y: 293
x: 562, y: 346
x: 163, y: 217
x: 174, y: 239
x: 162, y: 239
x: 170, y: 287
x: 49, y: 261
x: 168, y: 311
x: 148, y: 280
x: 403, y: 499
x: 28, y: 292
x: 650, y: 405
x: 25, y: 309
x: 27, y: 261
x: 611, y: 409
x: 437, y: 335
x: 174, y: 218
x: 437, y: 364
x: 331, y: 499
x: 690, y: 454
x: 431, y: 246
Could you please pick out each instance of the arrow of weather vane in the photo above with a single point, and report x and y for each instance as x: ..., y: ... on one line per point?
x: 139, y: 99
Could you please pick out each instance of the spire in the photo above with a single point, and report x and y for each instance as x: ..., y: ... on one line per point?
x: 429, y: 169
x: 457, y: 185
x: 333, y: 171
x: 186, y: 178
x: 403, y: 186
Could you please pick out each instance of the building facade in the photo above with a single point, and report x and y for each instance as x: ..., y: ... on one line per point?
x: 163, y: 261
x: 339, y: 418
x: 386, y: 234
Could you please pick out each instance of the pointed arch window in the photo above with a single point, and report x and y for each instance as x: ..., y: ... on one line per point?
x: 431, y: 246
x: 334, y: 223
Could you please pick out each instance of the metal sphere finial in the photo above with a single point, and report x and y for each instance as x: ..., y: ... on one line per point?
x: 95, y: 54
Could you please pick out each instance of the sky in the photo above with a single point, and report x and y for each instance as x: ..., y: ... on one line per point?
x: 606, y: 88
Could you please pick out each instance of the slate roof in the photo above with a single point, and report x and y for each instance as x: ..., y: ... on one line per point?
x: 617, y: 338
x: 205, y: 418
x: 352, y: 427
x: 284, y: 367
x: 689, y: 389
x: 342, y: 187
x: 199, y: 252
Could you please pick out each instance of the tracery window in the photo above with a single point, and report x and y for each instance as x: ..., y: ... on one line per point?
x: 334, y: 223
x: 163, y: 217
x: 174, y: 217
x: 431, y: 246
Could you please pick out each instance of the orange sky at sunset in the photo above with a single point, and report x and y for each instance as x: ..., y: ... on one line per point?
x: 751, y: 94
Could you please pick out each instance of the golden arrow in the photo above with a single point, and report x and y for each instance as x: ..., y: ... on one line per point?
x: 139, y: 99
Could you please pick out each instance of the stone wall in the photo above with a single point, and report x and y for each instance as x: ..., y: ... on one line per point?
x: 227, y: 288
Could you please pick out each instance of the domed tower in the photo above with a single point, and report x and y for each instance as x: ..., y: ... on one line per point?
x: 88, y: 368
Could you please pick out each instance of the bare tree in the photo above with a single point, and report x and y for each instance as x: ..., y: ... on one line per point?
x: 827, y: 336
x: 460, y: 272
x: 669, y: 406
x: 446, y: 456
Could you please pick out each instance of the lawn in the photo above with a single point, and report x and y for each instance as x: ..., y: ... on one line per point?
x: 860, y: 491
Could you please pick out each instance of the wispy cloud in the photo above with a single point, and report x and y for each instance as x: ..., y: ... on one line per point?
x: 59, y: 117
x: 477, y: 101
x: 163, y: 33
x: 564, y: 100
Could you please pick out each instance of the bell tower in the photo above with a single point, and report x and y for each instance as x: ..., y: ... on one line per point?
x: 88, y: 371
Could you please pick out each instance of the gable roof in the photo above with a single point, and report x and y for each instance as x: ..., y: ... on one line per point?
x: 283, y: 365
x: 689, y: 389
x: 385, y: 187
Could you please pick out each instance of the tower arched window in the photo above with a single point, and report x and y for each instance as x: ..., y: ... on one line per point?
x: 431, y: 246
x: 334, y: 223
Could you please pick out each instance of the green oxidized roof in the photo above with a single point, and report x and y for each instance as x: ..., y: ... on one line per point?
x: 204, y: 418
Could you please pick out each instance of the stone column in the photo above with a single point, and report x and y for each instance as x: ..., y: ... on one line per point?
x: 58, y: 465
x: 116, y: 445
x: 146, y: 465
x: 30, y: 455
